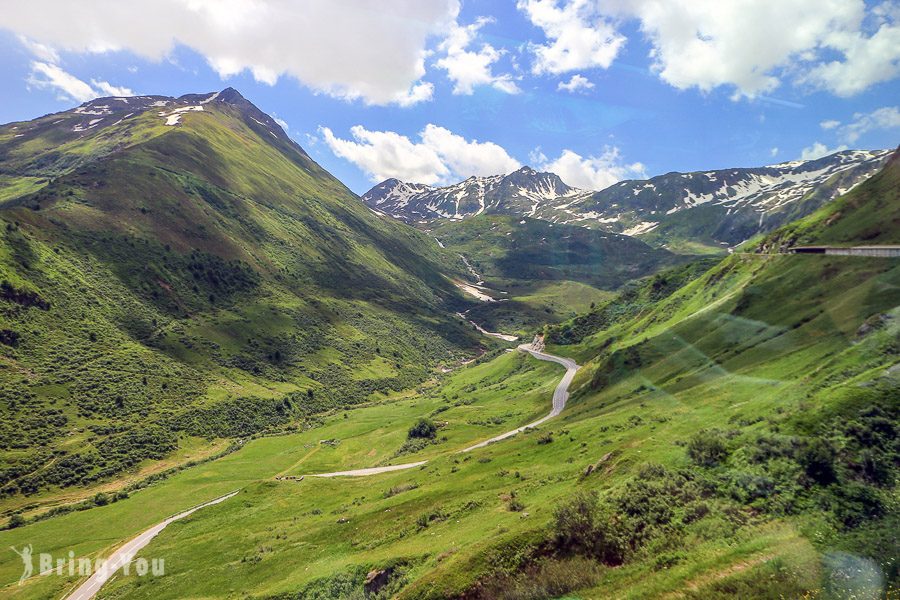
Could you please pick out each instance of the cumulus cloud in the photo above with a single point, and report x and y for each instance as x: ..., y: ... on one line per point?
x: 467, y: 157
x: 866, y: 60
x: 818, y: 150
x: 49, y: 76
x: 707, y: 43
x: 829, y: 124
x: 578, y: 35
x: 593, y: 172
x: 749, y: 46
x: 421, y: 92
x: 440, y: 156
x: 353, y: 49
x: 469, y: 68
x: 577, y: 82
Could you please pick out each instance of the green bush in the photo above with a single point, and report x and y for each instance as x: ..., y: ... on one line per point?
x: 707, y: 448
x: 423, y: 429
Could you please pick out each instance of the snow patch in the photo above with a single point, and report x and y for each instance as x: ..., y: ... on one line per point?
x: 174, y: 117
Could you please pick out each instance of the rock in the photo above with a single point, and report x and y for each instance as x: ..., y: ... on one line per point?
x: 377, y: 579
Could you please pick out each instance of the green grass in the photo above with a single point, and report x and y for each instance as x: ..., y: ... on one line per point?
x: 512, y: 382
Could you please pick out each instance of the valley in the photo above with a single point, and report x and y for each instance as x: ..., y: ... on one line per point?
x: 196, y: 313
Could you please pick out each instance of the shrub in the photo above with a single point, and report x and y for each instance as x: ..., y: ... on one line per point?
x: 582, y: 526
x: 707, y: 448
x: 817, y: 459
x: 423, y: 429
x: 16, y: 520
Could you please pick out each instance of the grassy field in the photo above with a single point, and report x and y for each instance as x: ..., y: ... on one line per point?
x: 736, y: 426
x: 511, y: 390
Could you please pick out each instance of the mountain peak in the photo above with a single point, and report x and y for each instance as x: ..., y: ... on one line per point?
x: 230, y: 94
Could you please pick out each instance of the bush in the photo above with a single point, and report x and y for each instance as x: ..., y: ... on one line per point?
x: 423, y: 429
x: 548, y: 578
x: 817, y: 459
x: 707, y: 448
x: 582, y: 526
x: 16, y: 520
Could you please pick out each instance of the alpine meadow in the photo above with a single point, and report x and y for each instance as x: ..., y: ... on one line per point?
x: 525, y: 300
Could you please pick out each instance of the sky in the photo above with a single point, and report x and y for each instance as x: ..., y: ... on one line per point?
x: 434, y: 91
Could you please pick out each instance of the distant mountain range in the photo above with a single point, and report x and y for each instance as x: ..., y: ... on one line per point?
x: 715, y: 208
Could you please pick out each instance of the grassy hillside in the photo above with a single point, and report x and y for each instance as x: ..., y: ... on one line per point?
x: 163, y: 285
x: 732, y: 434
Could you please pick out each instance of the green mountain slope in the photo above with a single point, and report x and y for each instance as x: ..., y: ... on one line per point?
x: 733, y: 433
x: 545, y: 271
x: 174, y: 268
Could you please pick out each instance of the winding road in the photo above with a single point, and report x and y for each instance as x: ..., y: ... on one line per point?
x: 560, y: 397
x: 129, y: 549
x: 560, y: 394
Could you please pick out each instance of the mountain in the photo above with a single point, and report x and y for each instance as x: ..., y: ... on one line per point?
x: 691, y: 211
x: 521, y: 193
x: 177, y: 270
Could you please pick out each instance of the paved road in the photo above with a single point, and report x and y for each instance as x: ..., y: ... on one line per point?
x: 370, y: 471
x: 560, y: 394
x: 125, y: 554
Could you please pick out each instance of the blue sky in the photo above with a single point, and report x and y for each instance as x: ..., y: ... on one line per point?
x: 435, y: 90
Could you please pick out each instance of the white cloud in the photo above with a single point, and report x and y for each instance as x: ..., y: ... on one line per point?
x: 594, y: 172
x: 577, y: 82
x: 365, y: 49
x: 578, y: 36
x: 887, y: 117
x: 107, y: 89
x: 818, y: 150
x: 709, y: 43
x: 774, y: 152
x: 440, y: 156
x: 281, y: 122
x: 830, y: 124
x: 867, y: 60
x: 386, y: 154
x: 470, y: 68
x: 752, y: 46
x: 42, y: 52
x: 48, y: 76
x: 421, y: 92
x: 464, y: 157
